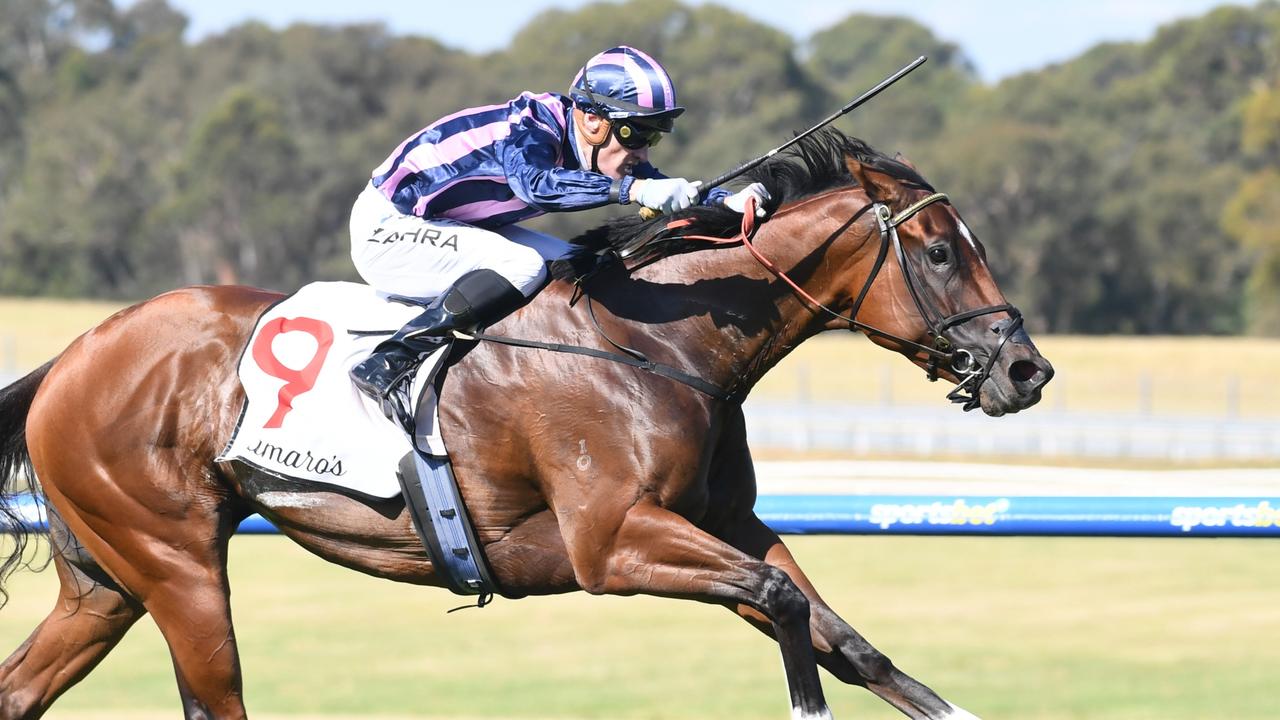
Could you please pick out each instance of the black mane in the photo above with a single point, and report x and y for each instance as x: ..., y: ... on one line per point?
x: 817, y: 164
x: 812, y: 166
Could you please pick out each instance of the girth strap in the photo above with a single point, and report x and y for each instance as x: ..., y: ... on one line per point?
x: 697, y: 383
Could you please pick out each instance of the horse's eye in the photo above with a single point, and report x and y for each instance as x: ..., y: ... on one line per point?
x: 938, y: 255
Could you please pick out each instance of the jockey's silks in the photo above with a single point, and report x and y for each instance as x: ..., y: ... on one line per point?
x: 495, y: 165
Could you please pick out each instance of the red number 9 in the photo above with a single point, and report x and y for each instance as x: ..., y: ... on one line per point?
x: 296, y: 382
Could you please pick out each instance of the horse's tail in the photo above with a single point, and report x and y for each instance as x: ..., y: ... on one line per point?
x: 15, y: 462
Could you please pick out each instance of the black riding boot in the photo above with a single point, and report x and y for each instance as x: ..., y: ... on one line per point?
x: 479, y: 298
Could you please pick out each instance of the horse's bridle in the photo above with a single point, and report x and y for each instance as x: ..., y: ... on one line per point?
x: 960, y: 361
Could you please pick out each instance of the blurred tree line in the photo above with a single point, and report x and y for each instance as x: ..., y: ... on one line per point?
x: 1135, y: 189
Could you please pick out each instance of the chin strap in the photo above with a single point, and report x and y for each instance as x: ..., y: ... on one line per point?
x: 595, y: 155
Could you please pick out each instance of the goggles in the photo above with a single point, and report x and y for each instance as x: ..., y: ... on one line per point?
x: 634, y: 136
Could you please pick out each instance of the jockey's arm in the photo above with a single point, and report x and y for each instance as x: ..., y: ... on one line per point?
x: 715, y: 196
x: 529, y: 157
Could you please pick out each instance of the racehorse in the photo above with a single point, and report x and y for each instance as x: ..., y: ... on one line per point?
x: 579, y: 473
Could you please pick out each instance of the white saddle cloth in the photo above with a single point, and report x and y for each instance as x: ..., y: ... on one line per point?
x: 303, y: 419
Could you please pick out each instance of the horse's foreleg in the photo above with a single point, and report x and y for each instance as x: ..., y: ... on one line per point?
x: 840, y: 648
x: 657, y: 552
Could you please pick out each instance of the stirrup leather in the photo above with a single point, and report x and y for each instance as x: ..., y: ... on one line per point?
x: 396, y: 400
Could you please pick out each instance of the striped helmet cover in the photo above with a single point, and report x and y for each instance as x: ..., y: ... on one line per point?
x: 623, y: 82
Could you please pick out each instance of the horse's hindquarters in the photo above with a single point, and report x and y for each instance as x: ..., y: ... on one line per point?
x: 122, y: 436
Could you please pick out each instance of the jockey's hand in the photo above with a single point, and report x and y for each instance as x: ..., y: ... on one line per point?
x: 667, y: 194
x: 737, y: 202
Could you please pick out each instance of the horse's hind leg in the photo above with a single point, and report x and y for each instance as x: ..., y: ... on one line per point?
x: 193, y: 611
x: 92, y: 613
x: 176, y: 565
x: 163, y: 538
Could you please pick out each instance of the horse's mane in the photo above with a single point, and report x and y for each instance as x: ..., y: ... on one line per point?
x: 812, y: 166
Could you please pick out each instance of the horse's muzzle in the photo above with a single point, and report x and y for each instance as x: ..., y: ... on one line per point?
x: 1017, y: 378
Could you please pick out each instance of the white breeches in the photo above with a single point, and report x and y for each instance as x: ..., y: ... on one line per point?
x: 421, y: 257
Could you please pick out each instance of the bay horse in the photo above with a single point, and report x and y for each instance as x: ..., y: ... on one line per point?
x: 578, y: 473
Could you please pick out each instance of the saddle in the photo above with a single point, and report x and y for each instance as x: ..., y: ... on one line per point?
x: 294, y: 373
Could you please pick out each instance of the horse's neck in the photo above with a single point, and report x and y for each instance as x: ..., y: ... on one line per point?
x: 721, y: 314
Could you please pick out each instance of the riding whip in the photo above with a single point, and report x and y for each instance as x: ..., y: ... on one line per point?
x: 649, y: 213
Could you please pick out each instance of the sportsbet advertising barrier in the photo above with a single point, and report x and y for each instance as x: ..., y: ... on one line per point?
x: 989, y: 515
x: 985, y: 515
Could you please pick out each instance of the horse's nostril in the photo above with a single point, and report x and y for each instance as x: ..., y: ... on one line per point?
x: 1023, y: 371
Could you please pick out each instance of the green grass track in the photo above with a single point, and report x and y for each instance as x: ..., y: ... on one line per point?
x: 1025, y: 628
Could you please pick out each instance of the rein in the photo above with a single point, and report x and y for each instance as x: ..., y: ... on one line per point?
x: 748, y: 231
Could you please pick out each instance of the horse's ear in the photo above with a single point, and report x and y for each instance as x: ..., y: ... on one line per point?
x: 899, y: 157
x: 880, y: 186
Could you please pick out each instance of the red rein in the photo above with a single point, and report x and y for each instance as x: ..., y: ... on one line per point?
x: 744, y: 236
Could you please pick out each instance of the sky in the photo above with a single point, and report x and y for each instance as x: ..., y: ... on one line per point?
x: 1002, y: 37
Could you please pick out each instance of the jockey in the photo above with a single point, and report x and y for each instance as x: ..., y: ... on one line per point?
x: 437, y: 220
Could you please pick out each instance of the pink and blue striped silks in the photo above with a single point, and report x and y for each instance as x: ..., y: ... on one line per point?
x: 495, y: 165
